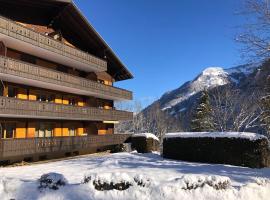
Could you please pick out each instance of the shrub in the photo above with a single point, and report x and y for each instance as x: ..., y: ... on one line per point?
x: 223, y: 150
x: 116, y: 181
x: 144, y: 145
x: 52, y: 181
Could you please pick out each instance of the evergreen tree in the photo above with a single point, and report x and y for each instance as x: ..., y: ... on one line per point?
x: 202, y: 120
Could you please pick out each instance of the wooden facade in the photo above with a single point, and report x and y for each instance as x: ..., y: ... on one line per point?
x: 56, y: 88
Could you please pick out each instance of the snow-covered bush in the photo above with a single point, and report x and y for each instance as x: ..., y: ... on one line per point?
x: 52, y: 181
x: 194, y: 182
x: 142, y: 181
x: 262, y: 181
x: 116, y: 181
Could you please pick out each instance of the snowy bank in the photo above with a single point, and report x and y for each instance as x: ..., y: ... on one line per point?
x: 243, y: 135
x: 151, y: 178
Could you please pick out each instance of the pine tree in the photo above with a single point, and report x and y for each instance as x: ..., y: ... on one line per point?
x: 202, y: 120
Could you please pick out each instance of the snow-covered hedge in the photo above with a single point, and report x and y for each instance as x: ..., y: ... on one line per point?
x: 243, y: 135
x: 236, y: 148
x: 145, y: 142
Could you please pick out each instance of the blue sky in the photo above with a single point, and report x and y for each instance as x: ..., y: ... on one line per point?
x: 165, y: 43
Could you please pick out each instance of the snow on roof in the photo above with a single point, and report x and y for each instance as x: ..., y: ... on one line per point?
x: 146, y: 135
x: 244, y: 135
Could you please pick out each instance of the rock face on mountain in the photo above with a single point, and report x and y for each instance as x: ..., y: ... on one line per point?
x: 178, y: 104
x: 175, y: 109
x: 210, y: 78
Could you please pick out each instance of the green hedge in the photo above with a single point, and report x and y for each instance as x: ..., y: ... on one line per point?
x: 233, y: 151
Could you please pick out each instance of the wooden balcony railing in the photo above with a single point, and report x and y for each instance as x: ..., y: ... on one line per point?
x: 17, y: 31
x: 13, y: 107
x: 33, y: 72
x: 36, y: 146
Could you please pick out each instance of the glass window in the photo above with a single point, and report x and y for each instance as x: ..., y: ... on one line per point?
x: 72, y: 131
x: 72, y: 101
x: 2, y: 130
x: 44, y: 130
x: 11, y: 91
x: 40, y: 130
x: 28, y: 58
x: 51, y: 98
x: 10, y: 130
x: 41, y: 97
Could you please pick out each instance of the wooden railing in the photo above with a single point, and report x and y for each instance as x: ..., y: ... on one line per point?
x: 12, y: 107
x: 17, y: 31
x: 34, y: 72
x: 36, y: 146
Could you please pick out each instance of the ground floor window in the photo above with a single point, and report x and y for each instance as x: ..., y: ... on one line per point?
x: 8, y: 130
x: 44, y: 130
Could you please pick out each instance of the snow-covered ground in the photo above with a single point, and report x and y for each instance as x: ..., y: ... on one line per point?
x: 162, y: 179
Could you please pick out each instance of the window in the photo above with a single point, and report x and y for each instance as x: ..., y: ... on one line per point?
x: 41, y: 97
x: 101, y: 81
x: 72, y: 131
x: 12, y: 92
x: 44, y: 130
x: 2, y: 130
x: 40, y: 130
x: 28, y: 58
x: 62, y: 69
x: 2, y: 89
x: 51, y: 98
x: 72, y: 102
x: 10, y: 130
x: 49, y: 131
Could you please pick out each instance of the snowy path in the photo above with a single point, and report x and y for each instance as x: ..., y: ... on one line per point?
x: 21, y: 182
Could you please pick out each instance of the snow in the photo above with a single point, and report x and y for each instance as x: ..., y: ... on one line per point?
x: 244, y: 135
x: 210, y: 78
x: 162, y: 179
x: 146, y: 135
x: 245, y: 69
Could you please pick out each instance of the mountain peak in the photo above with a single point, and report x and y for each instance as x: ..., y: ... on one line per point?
x: 209, y: 78
x: 213, y: 71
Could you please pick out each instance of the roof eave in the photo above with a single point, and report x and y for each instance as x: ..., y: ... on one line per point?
x: 108, y: 48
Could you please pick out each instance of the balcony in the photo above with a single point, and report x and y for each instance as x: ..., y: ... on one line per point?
x: 17, y: 108
x: 24, y: 73
x: 29, y: 147
x: 23, y: 39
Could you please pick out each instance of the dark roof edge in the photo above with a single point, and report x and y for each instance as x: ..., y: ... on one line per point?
x: 99, y: 36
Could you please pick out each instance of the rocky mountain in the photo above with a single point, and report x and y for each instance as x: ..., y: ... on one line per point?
x: 174, y: 110
x: 178, y: 104
x: 175, y: 101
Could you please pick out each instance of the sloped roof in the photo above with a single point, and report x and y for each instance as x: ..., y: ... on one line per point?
x: 65, y: 15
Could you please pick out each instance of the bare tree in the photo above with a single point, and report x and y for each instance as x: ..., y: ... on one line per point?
x: 255, y: 37
x: 136, y: 124
x: 138, y: 117
x: 233, y: 111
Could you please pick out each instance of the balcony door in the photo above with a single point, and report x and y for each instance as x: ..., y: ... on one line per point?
x: 44, y: 130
